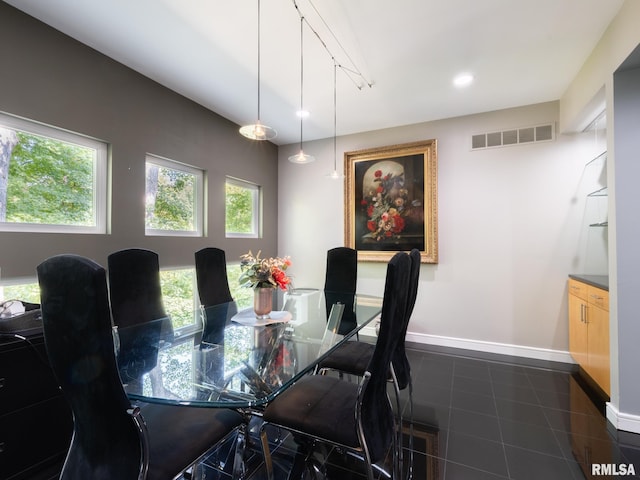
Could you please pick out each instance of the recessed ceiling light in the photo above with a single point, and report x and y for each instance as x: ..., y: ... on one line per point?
x: 302, y: 113
x: 463, y: 80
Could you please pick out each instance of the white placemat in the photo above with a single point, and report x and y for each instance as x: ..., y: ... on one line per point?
x: 248, y: 317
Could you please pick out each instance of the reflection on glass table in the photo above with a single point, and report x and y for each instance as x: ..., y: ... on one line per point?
x: 232, y: 362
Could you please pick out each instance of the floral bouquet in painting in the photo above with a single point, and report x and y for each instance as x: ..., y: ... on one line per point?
x: 386, y: 206
x: 259, y: 272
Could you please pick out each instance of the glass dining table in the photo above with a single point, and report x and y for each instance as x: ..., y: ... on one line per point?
x: 235, y: 360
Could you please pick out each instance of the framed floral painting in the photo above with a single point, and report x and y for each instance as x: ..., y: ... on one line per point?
x: 391, y: 201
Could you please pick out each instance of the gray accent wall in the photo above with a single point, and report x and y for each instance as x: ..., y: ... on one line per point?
x: 627, y: 227
x: 51, y: 78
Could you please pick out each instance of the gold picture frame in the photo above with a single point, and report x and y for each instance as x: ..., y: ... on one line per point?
x: 391, y: 201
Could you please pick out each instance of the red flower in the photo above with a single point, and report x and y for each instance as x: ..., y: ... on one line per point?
x: 378, y: 173
x: 363, y: 202
x: 387, y: 233
x: 370, y: 211
x: 380, y: 189
x: 398, y: 224
x: 281, y: 278
x: 371, y: 225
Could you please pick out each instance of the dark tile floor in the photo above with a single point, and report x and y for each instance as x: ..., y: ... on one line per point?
x: 482, y: 417
x: 492, y: 417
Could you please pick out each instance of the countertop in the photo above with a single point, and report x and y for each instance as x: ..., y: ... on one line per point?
x: 599, y: 281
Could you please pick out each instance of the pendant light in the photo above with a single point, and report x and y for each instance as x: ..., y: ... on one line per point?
x: 335, y: 175
x: 258, y: 131
x: 301, y: 157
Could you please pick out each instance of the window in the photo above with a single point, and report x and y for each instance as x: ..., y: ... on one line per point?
x: 23, y: 290
x: 243, y: 296
x: 242, y: 209
x: 174, y: 198
x: 179, y: 296
x: 51, y: 180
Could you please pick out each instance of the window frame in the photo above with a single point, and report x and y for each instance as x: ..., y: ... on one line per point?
x: 199, y: 194
x: 100, y: 176
x: 256, y: 208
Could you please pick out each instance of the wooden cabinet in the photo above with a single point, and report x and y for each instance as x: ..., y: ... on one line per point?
x: 589, y: 331
x: 588, y: 444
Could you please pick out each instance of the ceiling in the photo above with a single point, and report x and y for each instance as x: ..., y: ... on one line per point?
x: 406, y: 53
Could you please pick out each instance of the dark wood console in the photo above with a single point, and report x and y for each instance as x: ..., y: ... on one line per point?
x: 35, y: 421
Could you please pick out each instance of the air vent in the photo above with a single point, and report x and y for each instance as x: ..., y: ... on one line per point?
x: 505, y: 138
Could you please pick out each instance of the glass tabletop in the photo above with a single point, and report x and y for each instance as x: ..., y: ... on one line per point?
x: 234, y: 359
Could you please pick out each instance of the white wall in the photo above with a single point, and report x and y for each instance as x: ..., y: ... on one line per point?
x: 510, y: 222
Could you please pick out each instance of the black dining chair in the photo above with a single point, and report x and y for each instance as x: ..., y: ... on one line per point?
x: 112, y: 439
x: 353, y: 357
x: 213, y: 291
x: 138, y: 311
x: 341, y: 276
x: 356, y: 417
x: 211, y: 276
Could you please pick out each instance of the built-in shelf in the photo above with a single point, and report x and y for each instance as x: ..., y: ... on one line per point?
x: 602, y: 192
x: 602, y: 156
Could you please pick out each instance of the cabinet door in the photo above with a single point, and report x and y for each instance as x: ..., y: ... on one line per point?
x: 598, y: 347
x: 578, y: 330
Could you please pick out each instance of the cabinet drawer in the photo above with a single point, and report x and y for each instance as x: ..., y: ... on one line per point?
x: 578, y: 289
x: 598, y: 297
x: 25, y: 376
x: 34, y: 436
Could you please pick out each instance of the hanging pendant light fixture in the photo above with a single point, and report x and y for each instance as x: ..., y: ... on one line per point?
x: 335, y: 175
x: 258, y: 131
x: 301, y: 157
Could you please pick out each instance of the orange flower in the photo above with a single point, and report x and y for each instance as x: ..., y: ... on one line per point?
x: 280, y: 278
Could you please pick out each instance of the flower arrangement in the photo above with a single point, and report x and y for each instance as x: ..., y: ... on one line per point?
x: 385, y: 206
x: 259, y: 272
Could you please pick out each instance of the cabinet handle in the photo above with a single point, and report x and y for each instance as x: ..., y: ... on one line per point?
x: 597, y: 297
x: 1, y: 382
x: 583, y: 313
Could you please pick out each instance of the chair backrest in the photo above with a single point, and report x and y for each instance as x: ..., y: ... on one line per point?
x: 136, y: 300
x: 401, y: 365
x: 340, y: 284
x: 134, y: 286
x: 377, y: 418
x: 106, y: 442
x: 211, y: 275
x: 213, y: 289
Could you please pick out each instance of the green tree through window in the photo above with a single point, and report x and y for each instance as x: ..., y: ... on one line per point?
x: 174, y: 194
x: 241, y: 208
x: 49, y: 182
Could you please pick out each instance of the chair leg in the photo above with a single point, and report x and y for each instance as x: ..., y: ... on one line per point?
x: 410, y: 466
x: 266, y: 452
x: 399, y: 443
x: 239, y: 466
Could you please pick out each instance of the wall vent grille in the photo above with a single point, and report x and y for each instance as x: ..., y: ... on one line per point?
x: 516, y: 136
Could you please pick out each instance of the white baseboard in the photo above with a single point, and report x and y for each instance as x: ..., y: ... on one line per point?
x: 621, y: 420
x: 492, y: 347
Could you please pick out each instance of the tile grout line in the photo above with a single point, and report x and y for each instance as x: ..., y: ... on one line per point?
x: 495, y: 405
x: 546, y: 417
